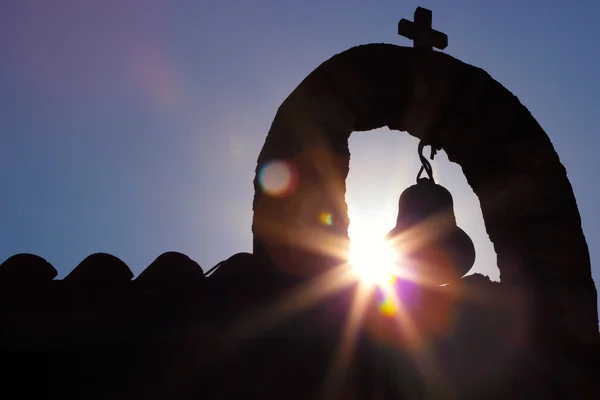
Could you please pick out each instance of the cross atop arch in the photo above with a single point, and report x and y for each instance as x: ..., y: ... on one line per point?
x: 420, y: 31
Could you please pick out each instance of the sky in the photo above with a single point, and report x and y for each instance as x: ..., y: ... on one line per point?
x: 133, y: 127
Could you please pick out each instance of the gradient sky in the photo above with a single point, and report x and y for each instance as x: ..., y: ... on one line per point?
x: 133, y: 127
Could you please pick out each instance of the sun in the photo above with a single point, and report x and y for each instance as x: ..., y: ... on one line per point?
x: 372, y: 258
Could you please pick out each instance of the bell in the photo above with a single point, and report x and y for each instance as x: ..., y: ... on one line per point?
x: 433, y: 248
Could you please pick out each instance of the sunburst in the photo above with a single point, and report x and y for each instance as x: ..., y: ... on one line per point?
x: 373, y: 259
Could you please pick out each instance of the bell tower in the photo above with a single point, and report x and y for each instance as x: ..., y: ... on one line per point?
x: 528, y: 205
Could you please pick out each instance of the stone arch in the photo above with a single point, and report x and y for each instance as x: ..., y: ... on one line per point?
x: 528, y: 204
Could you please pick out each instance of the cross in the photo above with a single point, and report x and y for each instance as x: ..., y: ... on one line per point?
x: 420, y: 31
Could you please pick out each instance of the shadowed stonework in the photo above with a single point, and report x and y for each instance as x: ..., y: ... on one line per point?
x: 288, y: 322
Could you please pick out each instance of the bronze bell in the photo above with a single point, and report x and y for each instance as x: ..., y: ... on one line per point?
x: 433, y: 248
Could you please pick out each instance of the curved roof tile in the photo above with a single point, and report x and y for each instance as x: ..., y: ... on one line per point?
x: 99, y: 269
x: 169, y: 268
x: 26, y: 267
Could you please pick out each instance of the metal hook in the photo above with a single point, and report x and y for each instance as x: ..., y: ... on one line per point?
x: 425, y: 165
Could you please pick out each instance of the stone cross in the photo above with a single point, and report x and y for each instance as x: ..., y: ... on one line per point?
x: 420, y: 31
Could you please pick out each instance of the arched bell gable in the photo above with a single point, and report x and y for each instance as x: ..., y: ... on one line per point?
x: 527, y: 202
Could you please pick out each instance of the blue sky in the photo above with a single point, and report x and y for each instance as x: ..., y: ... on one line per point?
x: 133, y: 127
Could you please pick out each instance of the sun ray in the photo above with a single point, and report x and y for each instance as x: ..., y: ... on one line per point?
x: 303, y: 297
x: 345, y: 350
x: 415, y: 343
x: 290, y: 234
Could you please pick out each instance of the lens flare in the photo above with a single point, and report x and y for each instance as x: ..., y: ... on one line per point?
x: 326, y: 218
x: 388, y: 306
x: 278, y: 178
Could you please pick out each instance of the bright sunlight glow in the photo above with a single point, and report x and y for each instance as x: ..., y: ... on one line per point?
x: 372, y: 258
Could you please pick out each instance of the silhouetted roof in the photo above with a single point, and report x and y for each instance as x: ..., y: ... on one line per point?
x: 100, y: 269
x: 226, y: 331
